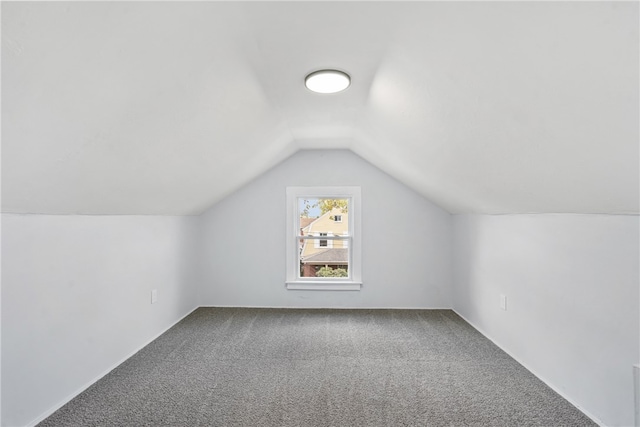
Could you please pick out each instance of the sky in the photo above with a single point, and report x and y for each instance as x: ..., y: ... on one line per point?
x: 313, y: 212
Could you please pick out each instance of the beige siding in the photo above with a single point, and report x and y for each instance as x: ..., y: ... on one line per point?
x: 325, y: 224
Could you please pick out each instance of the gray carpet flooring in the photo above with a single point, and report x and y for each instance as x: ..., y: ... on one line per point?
x: 283, y: 367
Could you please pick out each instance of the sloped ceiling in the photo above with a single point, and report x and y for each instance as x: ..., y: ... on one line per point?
x: 167, y: 107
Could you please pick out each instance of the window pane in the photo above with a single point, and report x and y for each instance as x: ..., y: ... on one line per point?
x: 323, y: 217
x: 331, y: 261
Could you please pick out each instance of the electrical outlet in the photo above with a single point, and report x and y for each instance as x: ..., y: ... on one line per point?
x: 154, y: 296
x: 503, y: 302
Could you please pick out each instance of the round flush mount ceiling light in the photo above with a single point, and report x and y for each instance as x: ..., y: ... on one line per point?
x: 327, y: 81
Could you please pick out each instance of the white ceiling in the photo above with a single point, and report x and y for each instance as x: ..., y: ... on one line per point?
x: 167, y: 107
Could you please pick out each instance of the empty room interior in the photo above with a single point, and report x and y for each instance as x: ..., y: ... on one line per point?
x: 320, y: 214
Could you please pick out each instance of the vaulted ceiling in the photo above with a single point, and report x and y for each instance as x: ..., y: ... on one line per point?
x: 167, y: 107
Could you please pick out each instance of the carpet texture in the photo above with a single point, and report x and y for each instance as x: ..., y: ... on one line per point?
x: 283, y: 367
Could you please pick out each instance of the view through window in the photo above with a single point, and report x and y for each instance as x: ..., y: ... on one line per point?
x: 323, y: 246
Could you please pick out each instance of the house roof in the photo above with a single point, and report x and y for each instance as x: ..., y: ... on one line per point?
x: 310, y: 227
x: 328, y: 256
x: 304, y: 222
x: 150, y: 107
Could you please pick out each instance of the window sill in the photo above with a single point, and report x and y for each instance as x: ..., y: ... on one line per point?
x: 323, y: 286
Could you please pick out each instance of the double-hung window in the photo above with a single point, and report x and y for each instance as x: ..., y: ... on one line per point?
x: 323, y: 238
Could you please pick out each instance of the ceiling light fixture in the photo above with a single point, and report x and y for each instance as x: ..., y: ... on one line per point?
x: 327, y: 81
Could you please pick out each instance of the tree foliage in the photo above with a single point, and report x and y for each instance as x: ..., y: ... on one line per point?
x: 325, y: 205
x: 331, y: 272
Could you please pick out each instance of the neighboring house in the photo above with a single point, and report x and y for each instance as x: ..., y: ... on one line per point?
x: 318, y: 253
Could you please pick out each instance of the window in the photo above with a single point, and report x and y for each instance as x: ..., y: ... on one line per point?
x: 322, y: 243
x: 323, y: 238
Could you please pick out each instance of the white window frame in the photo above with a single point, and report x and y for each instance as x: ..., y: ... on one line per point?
x: 354, y: 238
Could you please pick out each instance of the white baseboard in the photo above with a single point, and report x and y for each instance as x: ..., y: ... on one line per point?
x: 326, y: 308
x: 636, y: 387
x: 67, y: 399
x: 541, y: 378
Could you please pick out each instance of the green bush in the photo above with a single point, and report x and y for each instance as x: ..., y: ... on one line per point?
x: 330, y: 272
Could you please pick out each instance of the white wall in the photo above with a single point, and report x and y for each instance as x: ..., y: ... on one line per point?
x: 406, y: 240
x: 76, y: 300
x: 571, y: 283
x: 76, y: 289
